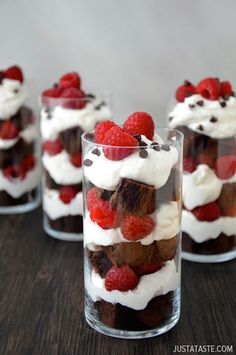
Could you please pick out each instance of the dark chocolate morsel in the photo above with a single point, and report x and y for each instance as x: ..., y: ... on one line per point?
x: 213, y: 119
x: 171, y: 118
x: 187, y: 83
x: 200, y: 103
x: 222, y: 103
x: 200, y: 127
x: 165, y: 147
x: 88, y: 162
x: 142, y: 144
x: 100, y: 105
x: 96, y: 151
x: 191, y: 106
x: 143, y: 153
x: 138, y: 137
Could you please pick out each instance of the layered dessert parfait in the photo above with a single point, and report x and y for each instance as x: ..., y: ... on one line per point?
x: 132, y: 192
x: 66, y: 113
x: 19, y: 153
x: 206, y: 114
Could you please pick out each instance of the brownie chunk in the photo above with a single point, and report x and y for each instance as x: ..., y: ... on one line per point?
x: 100, y: 262
x: 133, y: 197
x: 71, y: 139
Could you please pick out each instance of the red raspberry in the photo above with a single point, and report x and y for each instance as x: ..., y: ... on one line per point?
x: 102, y: 128
x: 135, y: 228
x: 104, y: 215
x: 53, y: 92
x: 225, y: 88
x: 189, y: 164
x: 70, y: 80
x: 67, y: 193
x: 78, y: 100
x: 121, y: 278
x: 140, y: 123
x: 225, y: 166
x: 53, y: 147
x: 92, y: 198
x: 147, y: 268
x: 14, y: 73
x: 8, y: 130
x: 116, y: 137
x: 14, y: 172
x: 76, y: 159
x: 29, y: 162
x: 209, y: 212
x: 205, y: 158
x: 209, y: 88
x: 185, y: 90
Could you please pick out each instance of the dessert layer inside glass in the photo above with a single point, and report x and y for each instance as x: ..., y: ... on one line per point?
x: 131, y: 229
x: 206, y: 114
x: 66, y: 113
x: 19, y: 164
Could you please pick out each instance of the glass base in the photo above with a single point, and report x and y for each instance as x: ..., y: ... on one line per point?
x: 117, y: 333
x: 94, y: 323
x: 26, y: 207
x: 217, y: 258
x: 68, y: 237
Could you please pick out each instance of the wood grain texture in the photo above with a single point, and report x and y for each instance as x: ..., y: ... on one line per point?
x: 41, y: 299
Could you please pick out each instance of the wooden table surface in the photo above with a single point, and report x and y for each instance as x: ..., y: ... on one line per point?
x: 41, y: 299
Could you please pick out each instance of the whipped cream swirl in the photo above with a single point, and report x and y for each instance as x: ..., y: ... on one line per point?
x: 198, y: 117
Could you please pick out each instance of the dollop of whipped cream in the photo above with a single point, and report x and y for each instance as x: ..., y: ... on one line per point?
x: 17, y: 187
x: 200, y: 187
x: 64, y: 118
x: 60, y: 168
x: 152, y: 285
x: 201, y: 231
x: 55, y: 208
x: 13, y: 94
x: 153, y: 170
x: 167, y: 221
x: 192, y: 115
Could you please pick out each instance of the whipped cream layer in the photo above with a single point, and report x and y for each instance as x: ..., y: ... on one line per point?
x: 166, y: 227
x: 153, y: 170
x: 149, y: 286
x: 61, y: 170
x: 201, y: 231
x: 13, y: 94
x: 202, y: 186
x: 184, y: 115
x: 62, y: 119
x: 55, y: 208
x: 18, y: 187
x: 29, y: 134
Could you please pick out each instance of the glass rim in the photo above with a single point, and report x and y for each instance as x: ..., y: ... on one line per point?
x: 179, y: 137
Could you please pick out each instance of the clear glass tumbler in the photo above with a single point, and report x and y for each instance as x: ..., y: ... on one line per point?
x: 19, y: 149
x: 132, y: 235
x: 63, y: 121
x: 209, y: 197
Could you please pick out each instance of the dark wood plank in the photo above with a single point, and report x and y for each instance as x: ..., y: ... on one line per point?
x: 41, y: 299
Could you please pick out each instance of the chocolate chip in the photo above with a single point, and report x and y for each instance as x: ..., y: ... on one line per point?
x: 187, y: 83
x: 143, y: 144
x: 91, y: 96
x: 232, y: 93
x: 165, y: 147
x: 100, y: 105
x: 200, y: 127
x: 143, y: 153
x: 154, y: 143
x: 55, y: 85
x: 226, y: 97
x: 200, y: 103
x: 16, y: 91
x: 96, y: 151
x: 191, y: 106
x: 222, y: 103
x: 138, y: 137
x: 156, y: 147
x: 213, y: 119
x: 171, y: 118
x: 88, y: 162
x: 217, y: 79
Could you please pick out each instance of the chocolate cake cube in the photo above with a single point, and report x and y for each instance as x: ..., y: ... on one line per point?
x: 167, y: 248
x: 71, y: 139
x: 227, y: 200
x: 100, y: 262
x: 133, y: 197
x: 107, y: 313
